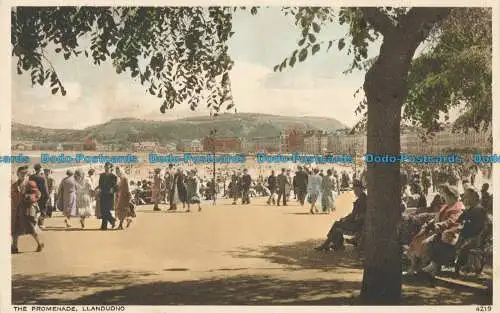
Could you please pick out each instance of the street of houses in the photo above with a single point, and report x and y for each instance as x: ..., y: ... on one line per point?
x: 292, y: 140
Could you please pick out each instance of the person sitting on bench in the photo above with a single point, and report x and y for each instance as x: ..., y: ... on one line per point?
x: 352, y: 223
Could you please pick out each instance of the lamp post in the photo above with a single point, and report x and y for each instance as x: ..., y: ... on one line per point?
x: 355, y: 155
x: 213, y: 132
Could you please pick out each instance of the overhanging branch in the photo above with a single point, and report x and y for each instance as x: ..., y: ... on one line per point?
x: 419, y: 21
x: 378, y: 20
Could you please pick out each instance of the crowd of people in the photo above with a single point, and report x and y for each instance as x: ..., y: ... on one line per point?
x: 432, y: 234
x: 35, y: 197
x: 444, y: 233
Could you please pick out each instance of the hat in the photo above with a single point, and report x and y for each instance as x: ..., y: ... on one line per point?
x: 472, y: 189
x: 357, y: 183
x: 22, y: 168
x: 70, y: 172
x: 91, y: 171
x: 450, y: 189
x: 108, y: 165
x: 157, y: 170
x: 37, y: 167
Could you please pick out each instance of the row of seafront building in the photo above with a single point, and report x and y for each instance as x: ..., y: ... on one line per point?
x: 292, y: 140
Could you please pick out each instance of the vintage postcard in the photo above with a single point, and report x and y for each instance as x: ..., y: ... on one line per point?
x: 252, y: 154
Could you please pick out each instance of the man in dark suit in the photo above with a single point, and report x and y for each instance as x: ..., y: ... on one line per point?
x: 107, y: 189
x: 39, y: 179
x: 246, y: 182
x: 352, y: 223
x: 271, y: 184
x: 300, y: 186
x: 283, y: 184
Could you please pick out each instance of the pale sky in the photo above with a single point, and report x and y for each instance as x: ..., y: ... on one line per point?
x: 97, y: 94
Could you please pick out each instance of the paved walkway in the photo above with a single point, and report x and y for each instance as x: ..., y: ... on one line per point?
x: 226, y: 254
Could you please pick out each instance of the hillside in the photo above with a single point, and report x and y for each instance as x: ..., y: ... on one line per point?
x: 246, y: 125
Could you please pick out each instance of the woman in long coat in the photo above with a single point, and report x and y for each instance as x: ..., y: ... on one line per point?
x: 83, y: 196
x: 235, y: 187
x: 193, y: 190
x: 51, y: 186
x: 67, y: 197
x: 156, y: 191
x: 24, y: 196
x: 327, y: 192
x: 178, y: 191
x: 122, y: 210
x: 444, y: 229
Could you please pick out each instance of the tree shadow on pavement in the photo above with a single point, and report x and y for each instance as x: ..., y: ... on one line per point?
x: 301, y: 255
x: 338, y: 283
x: 30, y: 288
x: 446, y: 293
x: 236, y: 290
x: 123, y: 288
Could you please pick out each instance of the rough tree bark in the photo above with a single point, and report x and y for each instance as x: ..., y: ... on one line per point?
x: 386, y: 89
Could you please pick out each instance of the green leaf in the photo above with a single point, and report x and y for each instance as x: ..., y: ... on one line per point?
x: 316, y: 27
x: 329, y: 45
x: 312, y: 38
x: 253, y: 10
x: 302, y: 55
x: 283, y: 65
x: 315, y: 48
x: 63, y: 91
x: 58, y: 50
x: 276, y: 67
x: 302, y: 41
x: 55, y: 90
x: 293, y: 59
x: 341, y: 44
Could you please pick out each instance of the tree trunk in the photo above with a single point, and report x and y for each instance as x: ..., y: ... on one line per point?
x: 385, y: 88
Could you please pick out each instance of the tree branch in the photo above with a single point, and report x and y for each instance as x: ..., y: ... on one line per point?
x: 419, y: 21
x: 378, y: 20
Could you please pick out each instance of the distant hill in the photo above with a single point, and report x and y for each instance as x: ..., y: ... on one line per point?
x: 126, y: 130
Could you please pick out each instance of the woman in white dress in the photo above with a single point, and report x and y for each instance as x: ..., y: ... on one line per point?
x: 328, y: 192
x: 84, y: 189
x: 314, y: 189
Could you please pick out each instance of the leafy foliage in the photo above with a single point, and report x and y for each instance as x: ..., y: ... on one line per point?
x: 310, y: 20
x: 179, y: 54
x: 456, y: 70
